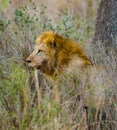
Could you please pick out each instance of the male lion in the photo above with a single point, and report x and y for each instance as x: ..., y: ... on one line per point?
x: 53, y: 53
x: 56, y: 55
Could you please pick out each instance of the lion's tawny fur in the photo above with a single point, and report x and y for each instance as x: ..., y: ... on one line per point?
x: 62, y: 53
x: 66, y: 49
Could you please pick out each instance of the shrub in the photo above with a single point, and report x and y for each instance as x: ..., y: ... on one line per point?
x: 30, y: 103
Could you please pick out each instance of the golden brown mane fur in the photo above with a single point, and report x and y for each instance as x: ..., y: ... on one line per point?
x: 66, y: 48
x: 62, y: 52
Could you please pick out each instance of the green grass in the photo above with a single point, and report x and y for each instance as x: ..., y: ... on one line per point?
x: 25, y: 106
x: 4, y: 3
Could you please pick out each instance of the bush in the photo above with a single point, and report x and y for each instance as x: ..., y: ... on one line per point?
x: 30, y: 103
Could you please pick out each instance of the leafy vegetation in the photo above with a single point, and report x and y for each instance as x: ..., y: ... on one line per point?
x: 30, y: 104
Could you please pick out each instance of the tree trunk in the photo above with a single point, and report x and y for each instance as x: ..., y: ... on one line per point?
x: 105, y: 30
x: 104, y: 41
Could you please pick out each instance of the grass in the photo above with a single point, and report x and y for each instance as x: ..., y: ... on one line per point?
x: 27, y: 100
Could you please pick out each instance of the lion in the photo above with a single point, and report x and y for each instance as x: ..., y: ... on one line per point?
x: 54, y: 53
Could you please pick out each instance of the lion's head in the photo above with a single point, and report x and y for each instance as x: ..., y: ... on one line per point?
x: 53, y: 52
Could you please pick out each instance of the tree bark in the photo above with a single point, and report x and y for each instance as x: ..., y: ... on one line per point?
x: 104, y: 41
x: 105, y: 30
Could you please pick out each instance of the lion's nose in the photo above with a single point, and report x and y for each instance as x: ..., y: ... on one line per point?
x: 28, y: 60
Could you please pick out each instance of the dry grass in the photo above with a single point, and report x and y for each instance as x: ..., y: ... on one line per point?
x: 27, y: 100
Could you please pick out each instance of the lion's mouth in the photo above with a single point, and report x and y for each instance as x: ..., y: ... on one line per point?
x: 41, y: 66
x: 38, y: 67
x: 34, y: 66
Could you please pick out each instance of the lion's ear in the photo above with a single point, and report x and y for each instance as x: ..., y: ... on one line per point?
x: 52, y: 44
x: 55, y: 46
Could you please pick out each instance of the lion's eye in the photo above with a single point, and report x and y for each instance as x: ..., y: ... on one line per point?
x: 38, y: 51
